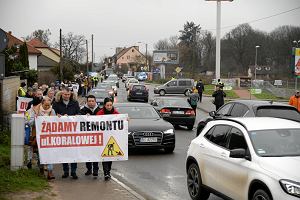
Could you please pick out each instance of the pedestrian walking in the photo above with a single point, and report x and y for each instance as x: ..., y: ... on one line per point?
x: 91, y: 108
x: 200, y: 88
x: 219, y: 95
x: 107, y: 109
x: 66, y: 104
x: 193, y: 100
x: 295, y: 100
x: 42, y: 109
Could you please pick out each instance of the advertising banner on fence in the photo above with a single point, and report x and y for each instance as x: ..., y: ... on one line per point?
x: 82, y: 138
x: 22, y: 104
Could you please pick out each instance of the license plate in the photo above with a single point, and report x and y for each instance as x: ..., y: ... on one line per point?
x: 178, y: 112
x: 139, y: 93
x: 147, y: 139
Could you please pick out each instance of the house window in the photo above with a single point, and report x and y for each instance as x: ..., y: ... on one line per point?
x: 128, y: 57
x: 122, y: 58
x: 132, y: 50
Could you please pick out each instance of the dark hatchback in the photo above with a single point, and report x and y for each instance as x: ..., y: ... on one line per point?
x: 138, y: 92
x: 252, y: 108
x: 146, y: 128
x: 177, y: 111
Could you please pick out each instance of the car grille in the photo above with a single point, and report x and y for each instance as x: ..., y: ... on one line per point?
x: 147, y: 134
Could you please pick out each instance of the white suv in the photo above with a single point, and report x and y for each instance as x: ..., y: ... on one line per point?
x: 245, y: 158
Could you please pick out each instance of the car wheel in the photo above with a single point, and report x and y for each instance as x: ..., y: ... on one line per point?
x: 176, y: 127
x: 194, y: 184
x: 162, y: 93
x: 128, y: 99
x: 169, y: 149
x: 187, y: 92
x: 190, y: 127
x: 261, y: 195
x: 200, y: 127
x: 146, y: 100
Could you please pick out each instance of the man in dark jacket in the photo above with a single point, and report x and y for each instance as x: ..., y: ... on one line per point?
x: 219, y: 95
x: 65, y: 104
x: 200, y: 88
x: 91, y: 108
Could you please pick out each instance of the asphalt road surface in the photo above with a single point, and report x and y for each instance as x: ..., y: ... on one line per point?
x: 154, y: 174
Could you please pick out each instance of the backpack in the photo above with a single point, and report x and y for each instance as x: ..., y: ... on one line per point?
x: 193, y: 100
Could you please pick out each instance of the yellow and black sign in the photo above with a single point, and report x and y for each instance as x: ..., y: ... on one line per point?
x: 112, y: 149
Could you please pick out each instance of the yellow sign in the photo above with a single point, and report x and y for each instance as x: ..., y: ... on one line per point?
x: 297, y: 52
x: 112, y: 149
x: 178, y: 69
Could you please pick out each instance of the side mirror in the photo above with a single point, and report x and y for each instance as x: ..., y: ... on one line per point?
x: 154, y: 103
x: 237, y: 153
x: 168, y: 85
x: 212, y: 114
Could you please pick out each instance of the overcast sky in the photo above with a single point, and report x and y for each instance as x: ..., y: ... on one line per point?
x: 127, y: 22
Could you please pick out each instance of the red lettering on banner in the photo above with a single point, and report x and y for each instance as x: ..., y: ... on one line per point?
x: 71, y: 140
x: 23, y: 105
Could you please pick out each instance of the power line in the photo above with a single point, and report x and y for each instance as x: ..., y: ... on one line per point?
x: 256, y: 20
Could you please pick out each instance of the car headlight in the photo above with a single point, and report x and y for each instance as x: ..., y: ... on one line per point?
x: 169, y: 131
x: 290, y: 187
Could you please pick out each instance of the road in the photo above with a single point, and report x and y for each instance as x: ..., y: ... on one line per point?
x: 154, y: 174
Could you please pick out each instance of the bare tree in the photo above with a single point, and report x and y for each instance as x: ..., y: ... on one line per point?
x: 42, y: 35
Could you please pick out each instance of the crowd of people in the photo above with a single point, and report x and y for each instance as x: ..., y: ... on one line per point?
x: 60, y: 100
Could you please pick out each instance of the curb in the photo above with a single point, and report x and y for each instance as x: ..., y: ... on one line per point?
x: 131, y: 191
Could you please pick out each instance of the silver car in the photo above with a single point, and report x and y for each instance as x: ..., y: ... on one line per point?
x: 245, y: 158
x: 176, y: 86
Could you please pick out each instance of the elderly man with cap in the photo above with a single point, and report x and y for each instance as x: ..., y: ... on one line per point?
x: 295, y: 100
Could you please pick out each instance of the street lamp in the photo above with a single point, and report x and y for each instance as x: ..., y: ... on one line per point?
x: 256, y: 47
x: 146, y: 54
x: 218, y: 38
x: 297, y: 43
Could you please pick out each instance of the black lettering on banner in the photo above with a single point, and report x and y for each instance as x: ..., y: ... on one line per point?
x: 82, y: 126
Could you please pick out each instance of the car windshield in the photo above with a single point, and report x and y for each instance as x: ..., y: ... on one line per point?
x: 284, y: 112
x: 104, y: 85
x: 173, y: 102
x: 99, y: 94
x: 112, y: 78
x: 276, y: 143
x: 139, y: 112
x: 138, y: 87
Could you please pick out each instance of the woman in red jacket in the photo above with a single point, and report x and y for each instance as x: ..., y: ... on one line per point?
x: 107, y: 109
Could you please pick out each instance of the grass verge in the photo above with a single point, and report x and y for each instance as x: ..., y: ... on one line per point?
x: 209, y: 89
x: 20, y: 180
x: 267, y: 96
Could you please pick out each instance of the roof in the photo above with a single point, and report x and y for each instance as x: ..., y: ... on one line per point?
x: 263, y: 123
x: 258, y: 102
x: 37, y: 43
x: 12, y: 40
x: 121, y: 53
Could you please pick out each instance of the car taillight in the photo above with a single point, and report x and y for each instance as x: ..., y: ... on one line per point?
x: 165, y: 111
x: 190, y: 112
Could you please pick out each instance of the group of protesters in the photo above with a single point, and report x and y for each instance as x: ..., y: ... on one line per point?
x: 59, y: 100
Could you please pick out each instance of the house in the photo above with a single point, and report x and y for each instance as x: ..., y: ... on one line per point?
x: 33, y: 53
x: 131, y: 57
x: 49, y: 58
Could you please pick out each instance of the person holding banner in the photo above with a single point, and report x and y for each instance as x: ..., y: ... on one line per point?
x: 66, y: 104
x: 37, y: 99
x: 107, y: 109
x: 42, y: 109
x: 91, y: 108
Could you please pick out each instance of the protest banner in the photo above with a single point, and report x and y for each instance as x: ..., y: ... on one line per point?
x: 22, y: 104
x: 82, y: 138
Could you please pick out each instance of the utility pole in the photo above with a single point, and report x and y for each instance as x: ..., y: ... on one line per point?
x: 147, y: 57
x: 87, y: 58
x: 60, y: 57
x: 92, y: 51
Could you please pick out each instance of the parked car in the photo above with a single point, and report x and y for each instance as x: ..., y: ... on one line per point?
x: 251, y: 108
x: 106, y: 86
x: 142, y: 76
x: 175, y: 110
x: 138, y: 92
x: 100, y: 95
x: 115, y: 78
x: 245, y: 158
x: 176, y: 86
x: 146, y: 128
x: 125, y: 77
x: 129, y: 82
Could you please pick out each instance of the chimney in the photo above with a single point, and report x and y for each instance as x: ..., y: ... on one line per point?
x: 119, y: 49
x: 137, y: 47
x: 9, y: 32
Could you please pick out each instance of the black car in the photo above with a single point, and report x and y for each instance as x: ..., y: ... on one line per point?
x: 175, y: 110
x: 138, y: 92
x: 146, y: 128
x: 252, y: 108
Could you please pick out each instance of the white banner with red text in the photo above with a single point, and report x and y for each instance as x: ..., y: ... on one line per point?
x: 82, y: 138
x: 22, y: 104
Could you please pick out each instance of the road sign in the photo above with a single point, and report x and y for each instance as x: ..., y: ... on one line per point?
x: 178, y: 69
x: 112, y: 149
x: 278, y: 82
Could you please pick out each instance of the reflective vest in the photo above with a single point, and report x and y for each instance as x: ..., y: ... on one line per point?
x: 21, y: 92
